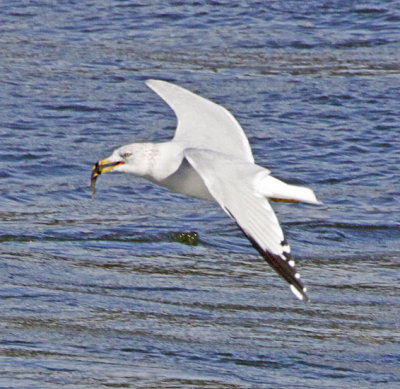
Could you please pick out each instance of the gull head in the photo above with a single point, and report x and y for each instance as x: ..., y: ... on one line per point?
x: 126, y: 159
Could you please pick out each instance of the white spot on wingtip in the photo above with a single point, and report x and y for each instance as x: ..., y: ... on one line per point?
x: 296, y: 292
x: 297, y: 276
x: 291, y: 263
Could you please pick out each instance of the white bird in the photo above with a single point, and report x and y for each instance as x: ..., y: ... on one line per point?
x: 210, y: 157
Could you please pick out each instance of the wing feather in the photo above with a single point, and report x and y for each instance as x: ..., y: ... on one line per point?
x: 231, y: 183
x: 202, y: 123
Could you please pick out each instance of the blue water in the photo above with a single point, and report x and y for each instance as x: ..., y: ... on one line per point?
x: 99, y: 293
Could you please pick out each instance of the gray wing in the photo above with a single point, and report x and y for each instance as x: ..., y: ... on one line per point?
x: 203, y: 124
x: 233, y: 185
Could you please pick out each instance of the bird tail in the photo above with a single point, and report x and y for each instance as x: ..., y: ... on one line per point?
x: 278, y: 190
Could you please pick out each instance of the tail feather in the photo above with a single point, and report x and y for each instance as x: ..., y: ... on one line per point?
x: 278, y: 190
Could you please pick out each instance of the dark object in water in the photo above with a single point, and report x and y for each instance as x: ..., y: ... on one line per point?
x: 189, y: 238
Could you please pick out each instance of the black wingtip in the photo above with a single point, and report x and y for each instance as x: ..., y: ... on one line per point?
x: 284, y: 266
x: 300, y: 294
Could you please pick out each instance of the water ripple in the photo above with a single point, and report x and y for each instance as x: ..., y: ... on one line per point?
x: 109, y: 292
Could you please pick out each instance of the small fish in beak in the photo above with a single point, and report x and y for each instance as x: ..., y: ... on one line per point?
x: 101, y: 167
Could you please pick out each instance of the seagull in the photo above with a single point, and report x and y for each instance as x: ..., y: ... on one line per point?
x: 210, y: 158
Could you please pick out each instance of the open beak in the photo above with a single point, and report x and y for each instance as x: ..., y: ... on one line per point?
x: 100, y: 167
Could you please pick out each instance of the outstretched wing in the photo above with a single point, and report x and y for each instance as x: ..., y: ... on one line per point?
x: 233, y: 185
x: 203, y: 124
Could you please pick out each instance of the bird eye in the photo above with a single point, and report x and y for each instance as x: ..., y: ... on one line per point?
x: 126, y: 155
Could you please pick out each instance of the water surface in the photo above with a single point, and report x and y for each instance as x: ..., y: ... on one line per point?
x: 101, y: 294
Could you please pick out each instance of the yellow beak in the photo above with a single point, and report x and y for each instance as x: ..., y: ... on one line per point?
x: 101, y: 167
